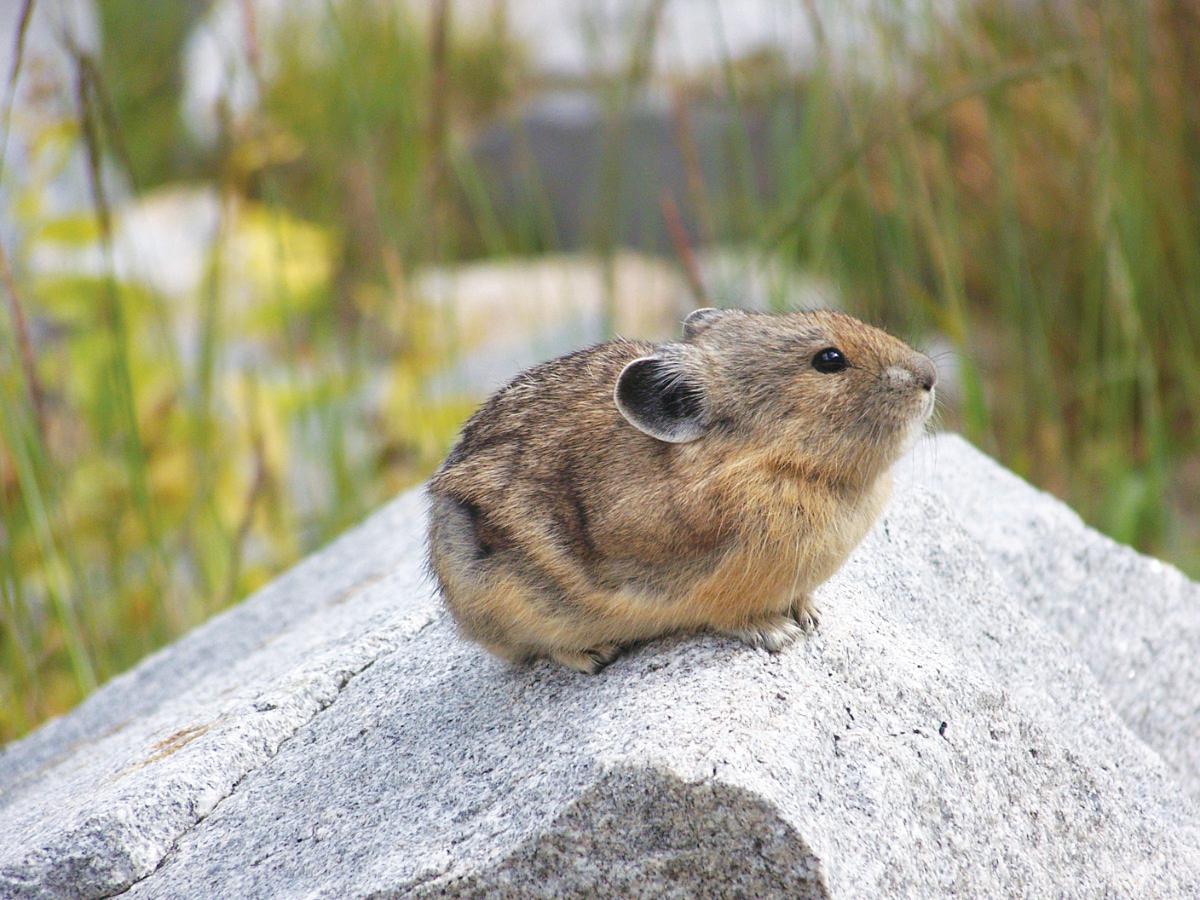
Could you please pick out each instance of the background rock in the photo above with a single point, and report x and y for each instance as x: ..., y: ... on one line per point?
x: 986, y: 710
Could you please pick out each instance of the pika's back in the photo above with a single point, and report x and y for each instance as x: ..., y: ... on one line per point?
x: 549, y: 480
x: 555, y: 413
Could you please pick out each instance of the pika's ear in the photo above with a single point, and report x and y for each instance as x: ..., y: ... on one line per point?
x: 657, y: 396
x: 698, y: 320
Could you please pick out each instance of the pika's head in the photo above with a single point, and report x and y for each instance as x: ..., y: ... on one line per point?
x: 820, y: 391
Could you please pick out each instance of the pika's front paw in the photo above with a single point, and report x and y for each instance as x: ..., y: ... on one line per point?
x: 771, y: 634
x: 589, y: 661
x: 807, y: 616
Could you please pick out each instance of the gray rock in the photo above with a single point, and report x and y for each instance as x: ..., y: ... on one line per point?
x: 1135, y: 621
x: 949, y: 730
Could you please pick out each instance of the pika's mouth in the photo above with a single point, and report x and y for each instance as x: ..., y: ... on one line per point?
x: 927, y: 404
x: 912, y: 430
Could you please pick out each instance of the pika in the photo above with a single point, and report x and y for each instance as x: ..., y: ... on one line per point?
x: 630, y: 490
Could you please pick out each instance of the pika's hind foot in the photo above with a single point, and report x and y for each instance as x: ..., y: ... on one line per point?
x: 807, y: 616
x: 772, y: 634
x: 589, y: 661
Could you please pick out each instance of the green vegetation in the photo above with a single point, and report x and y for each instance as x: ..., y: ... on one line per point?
x: 1023, y: 180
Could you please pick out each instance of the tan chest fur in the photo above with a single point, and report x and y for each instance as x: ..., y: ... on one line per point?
x: 789, y: 538
x: 794, y: 544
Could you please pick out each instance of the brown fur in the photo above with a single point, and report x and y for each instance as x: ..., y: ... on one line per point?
x: 558, y: 528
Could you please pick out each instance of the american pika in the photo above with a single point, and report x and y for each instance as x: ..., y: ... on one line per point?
x: 630, y: 490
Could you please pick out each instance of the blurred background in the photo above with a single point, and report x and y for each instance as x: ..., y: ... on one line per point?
x: 259, y: 259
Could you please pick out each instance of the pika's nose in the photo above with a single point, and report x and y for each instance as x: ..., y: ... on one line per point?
x: 925, y: 371
x: 916, y: 372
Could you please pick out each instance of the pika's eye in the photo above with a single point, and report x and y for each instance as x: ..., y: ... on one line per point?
x: 829, y: 360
